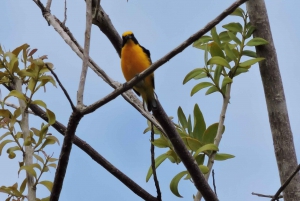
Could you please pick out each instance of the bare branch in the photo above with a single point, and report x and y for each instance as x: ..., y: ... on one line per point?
x: 65, y: 155
x: 48, y: 5
x: 153, y: 165
x: 266, y: 196
x: 28, y: 158
x: 183, y: 153
x: 62, y: 87
x: 65, y: 13
x: 286, y: 183
x: 86, y: 51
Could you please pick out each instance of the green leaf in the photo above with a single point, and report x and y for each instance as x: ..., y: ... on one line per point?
x: 19, y: 49
x: 47, y: 184
x: 219, y: 61
x: 161, y: 143
x: 39, y: 158
x: 200, y: 86
x: 200, y: 76
x: 211, y: 90
x: 230, y: 53
x: 158, y: 161
x: 51, y: 117
x: 175, y: 181
x: 17, y: 94
x: 23, y: 185
x: 190, y: 125
x: 172, y: 156
x: 215, y: 50
x: 202, y: 40
x: 29, y: 169
x: 193, y: 74
x: 226, y: 81
x: 3, y: 143
x: 182, y: 118
x: 199, y: 123
x: 222, y: 157
x: 256, y: 42
x: 46, y: 199
x: 238, y: 12
x: 210, y: 133
x: 3, y: 136
x: 249, y: 53
x: 215, y: 36
x: 250, y: 62
x: 234, y: 38
x: 224, y: 37
x: 52, y: 165
x: 192, y: 143
x: 5, y: 113
x: 251, y: 29
x: 52, y: 159
x: 205, y: 55
x: 234, y: 27
x: 217, y: 74
x: 199, y: 159
x: 204, y: 169
x: 40, y: 103
x: 207, y: 147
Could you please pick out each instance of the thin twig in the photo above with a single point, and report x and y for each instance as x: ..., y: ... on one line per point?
x: 286, y: 183
x: 153, y: 165
x: 48, y: 5
x: 65, y: 13
x: 62, y: 87
x: 87, y: 40
x: 15, y: 106
x: 164, y: 59
x: 214, y: 183
x: 266, y: 196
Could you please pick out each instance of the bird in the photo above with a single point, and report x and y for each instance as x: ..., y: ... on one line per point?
x: 134, y: 60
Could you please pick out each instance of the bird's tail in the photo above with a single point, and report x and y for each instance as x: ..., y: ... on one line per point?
x: 150, y: 100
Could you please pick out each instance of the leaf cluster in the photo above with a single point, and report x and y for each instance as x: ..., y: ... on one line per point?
x: 34, y: 76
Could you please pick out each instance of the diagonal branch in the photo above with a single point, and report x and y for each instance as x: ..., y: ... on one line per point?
x: 285, y: 184
x: 62, y: 87
x: 86, y: 51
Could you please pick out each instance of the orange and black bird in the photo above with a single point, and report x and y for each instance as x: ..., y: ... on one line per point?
x: 134, y: 60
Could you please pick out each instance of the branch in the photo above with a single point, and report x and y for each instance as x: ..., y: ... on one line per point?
x: 62, y: 87
x: 164, y: 59
x: 28, y: 157
x: 266, y: 196
x: 65, y: 13
x: 134, y: 187
x: 64, y: 155
x: 282, y: 135
x: 185, y: 156
x: 65, y: 33
x: 86, y: 51
x: 48, y: 5
x: 214, y: 183
x: 153, y: 165
x: 286, y: 183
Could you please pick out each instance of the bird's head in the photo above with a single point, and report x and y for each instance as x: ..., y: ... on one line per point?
x: 128, y: 36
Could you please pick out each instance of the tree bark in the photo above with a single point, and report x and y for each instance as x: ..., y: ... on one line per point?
x: 275, y: 99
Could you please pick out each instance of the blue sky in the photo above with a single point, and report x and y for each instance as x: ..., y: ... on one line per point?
x: 115, y: 130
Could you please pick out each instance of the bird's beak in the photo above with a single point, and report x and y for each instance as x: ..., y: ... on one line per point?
x: 128, y: 37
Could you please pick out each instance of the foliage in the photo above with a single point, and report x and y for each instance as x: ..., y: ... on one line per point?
x: 34, y: 76
x: 226, y: 50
